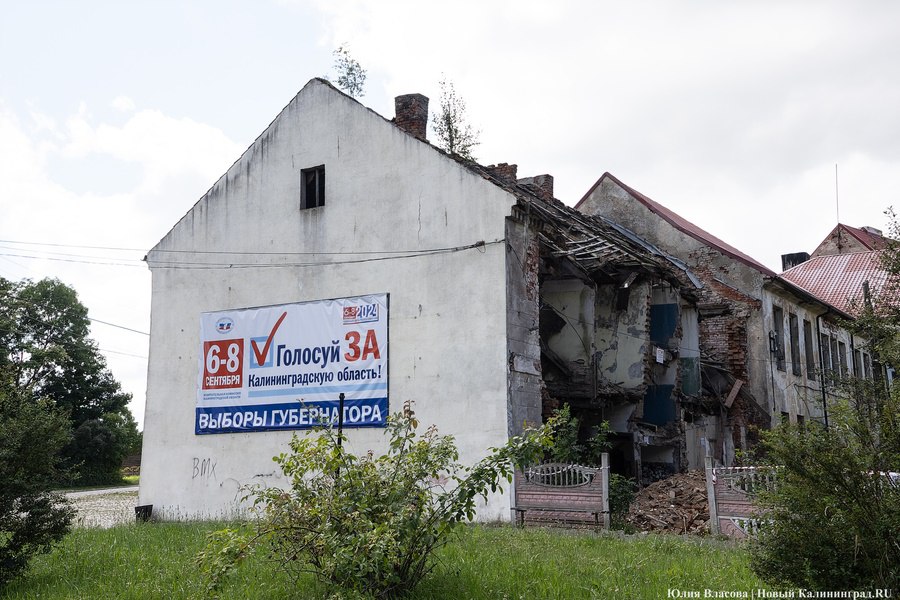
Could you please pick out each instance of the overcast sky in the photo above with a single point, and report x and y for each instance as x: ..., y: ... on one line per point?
x: 115, y: 117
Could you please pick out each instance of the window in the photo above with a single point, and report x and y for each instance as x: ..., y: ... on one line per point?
x: 794, y: 327
x: 778, y: 322
x: 867, y: 366
x: 312, y: 187
x: 825, y: 345
x: 857, y: 363
x: 809, y: 348
x: 835, y: 357
x: 842, y: 358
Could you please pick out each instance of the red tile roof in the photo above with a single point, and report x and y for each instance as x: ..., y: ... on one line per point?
x: 683, y: 225
x: 838, y: 278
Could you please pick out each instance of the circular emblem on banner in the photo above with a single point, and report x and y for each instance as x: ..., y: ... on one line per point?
x: 224, y: 325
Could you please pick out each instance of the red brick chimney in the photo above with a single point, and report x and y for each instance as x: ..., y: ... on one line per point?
x: 411, y: 112
x: 541, y: 184
x: 504, y: 172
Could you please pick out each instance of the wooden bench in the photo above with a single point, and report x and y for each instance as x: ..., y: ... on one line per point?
x: 563, y: 488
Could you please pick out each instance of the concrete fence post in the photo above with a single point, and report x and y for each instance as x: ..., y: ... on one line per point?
x: 604, y: 487
x: 711, y: 497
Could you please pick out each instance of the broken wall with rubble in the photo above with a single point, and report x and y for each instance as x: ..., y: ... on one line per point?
x: 627, y: 352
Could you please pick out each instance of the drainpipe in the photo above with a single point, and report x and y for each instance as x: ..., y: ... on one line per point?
x: 822, y: 365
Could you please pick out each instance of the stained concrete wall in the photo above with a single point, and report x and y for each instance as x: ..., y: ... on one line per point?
x: 801, y: 394
x: 621, y: 335
x: 385, y: 192
x: 573, y: 301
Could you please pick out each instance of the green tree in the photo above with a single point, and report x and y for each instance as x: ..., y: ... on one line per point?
x: 834, y: 517
x: 368, y: 523
x: 454, y: 133
x: 45, y: 348
x: 351, y: 77
x: 31, y: 518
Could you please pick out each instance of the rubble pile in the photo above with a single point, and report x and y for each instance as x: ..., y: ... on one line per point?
x: 673, y: 505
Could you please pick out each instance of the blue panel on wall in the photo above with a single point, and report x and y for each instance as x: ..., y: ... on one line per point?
x: 663, y: 320
x: 659, y: 407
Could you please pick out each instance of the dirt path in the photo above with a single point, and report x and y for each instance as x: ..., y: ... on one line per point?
x: 104, y: 508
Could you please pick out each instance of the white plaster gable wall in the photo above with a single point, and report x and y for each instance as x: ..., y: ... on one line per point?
x: 385, y: 191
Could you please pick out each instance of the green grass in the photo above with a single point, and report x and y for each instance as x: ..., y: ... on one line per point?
x: 156, y: 561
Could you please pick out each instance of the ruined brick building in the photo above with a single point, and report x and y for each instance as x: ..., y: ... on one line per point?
x: 762, y: 336
x: 501, y: 303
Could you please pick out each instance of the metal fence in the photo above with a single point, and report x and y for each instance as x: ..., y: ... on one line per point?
x: 730, y: 492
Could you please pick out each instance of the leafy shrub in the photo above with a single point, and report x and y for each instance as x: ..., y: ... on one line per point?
x: 833, y: 520
x: 31, y: 519
x: 567, y: 447
x: 367, y: 523
x: 622, y: 491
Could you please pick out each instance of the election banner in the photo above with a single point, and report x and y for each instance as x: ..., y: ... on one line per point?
x: 285, y: 366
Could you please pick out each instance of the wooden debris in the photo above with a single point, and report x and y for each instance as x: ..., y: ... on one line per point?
x: 674, y: 505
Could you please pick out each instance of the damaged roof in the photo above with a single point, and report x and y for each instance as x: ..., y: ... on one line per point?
x: 594, y: 243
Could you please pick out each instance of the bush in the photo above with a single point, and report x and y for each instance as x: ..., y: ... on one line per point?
x: 367, y: 523
x: 834, y: 518
x: 31, y: 519
x: 622, y: 491
x: 567, y: 447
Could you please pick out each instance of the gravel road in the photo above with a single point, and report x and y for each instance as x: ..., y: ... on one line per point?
x: 104, y: 508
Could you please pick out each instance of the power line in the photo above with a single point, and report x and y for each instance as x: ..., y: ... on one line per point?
x: 72, y: 260
x: 118, y: 326
x: 71, y: 246
x: 172, y: 264
x: 68, y: 254
x: 122, y: 353
x: 239, y: 265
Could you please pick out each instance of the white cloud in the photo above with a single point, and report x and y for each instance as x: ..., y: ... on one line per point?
x: 178, y: 159
x: 123, y: 104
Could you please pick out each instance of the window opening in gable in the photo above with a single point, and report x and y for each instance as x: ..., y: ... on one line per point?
x: 312, y: 187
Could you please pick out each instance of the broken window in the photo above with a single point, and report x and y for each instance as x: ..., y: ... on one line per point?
x: 312, y: 187
x: 778, y: 322
x: 794, y: 327
x: 809, y: 348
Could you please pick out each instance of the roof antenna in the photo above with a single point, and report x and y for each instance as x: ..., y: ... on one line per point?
x: 837, y: 208
x: 837, y: 203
